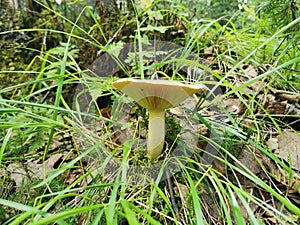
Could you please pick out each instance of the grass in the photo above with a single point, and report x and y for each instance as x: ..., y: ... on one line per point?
x: 102, y: 180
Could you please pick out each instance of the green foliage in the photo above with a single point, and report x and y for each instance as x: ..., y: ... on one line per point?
x: 279, y: 13
x: 173, y: 129
x: 30, y: 132
x: 80, y: 192
x: 213, y: 9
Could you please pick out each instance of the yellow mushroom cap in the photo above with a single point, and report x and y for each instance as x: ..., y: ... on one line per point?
x: 157, y: 94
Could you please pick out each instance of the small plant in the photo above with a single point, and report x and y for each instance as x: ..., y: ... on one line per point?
x: 30, y: 133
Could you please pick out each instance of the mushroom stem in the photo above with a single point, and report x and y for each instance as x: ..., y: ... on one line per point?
x: 156, y: 133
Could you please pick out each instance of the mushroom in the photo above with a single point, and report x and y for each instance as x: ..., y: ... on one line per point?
x: 156, y: 96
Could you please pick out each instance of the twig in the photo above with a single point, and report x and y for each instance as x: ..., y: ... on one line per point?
x: 173, y: 202
x: 290, y: 69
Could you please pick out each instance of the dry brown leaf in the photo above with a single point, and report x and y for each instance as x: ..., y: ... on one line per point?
x: 246, y: 89
x: 22, y: 173
x: 190, y: 126
x: 289, y: 148
x: 2, y: 173
x: 290, y: 98
x: 248, y: 160
x: 18, y: 174
x: 273, y: 143
x: 234, y: 105
x: 251, y: 71
x: 273, y: 106
x: 292, y: 109
x: 258, y: 86
x: 286, y: 147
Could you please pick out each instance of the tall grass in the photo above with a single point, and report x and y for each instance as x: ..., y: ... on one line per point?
x: 99, y: 195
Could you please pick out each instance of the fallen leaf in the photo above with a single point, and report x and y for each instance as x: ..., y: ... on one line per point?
x: 289, y: 148
x: 273, y: 143
x: 18, y: 174
x: 245, y: 89
x: 234, y: 105
x: 286, y: 146
x: 289, y: 97
x: 272, y: 106
x: 248, y: 160
x: 2, y: 173
x: 251, y: 71
x: 23, y: 173
x: 209, y: 50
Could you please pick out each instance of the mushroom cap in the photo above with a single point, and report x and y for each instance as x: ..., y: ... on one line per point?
x: 157, y: 94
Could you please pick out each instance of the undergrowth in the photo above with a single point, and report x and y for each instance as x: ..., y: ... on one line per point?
x: 81, y: 155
